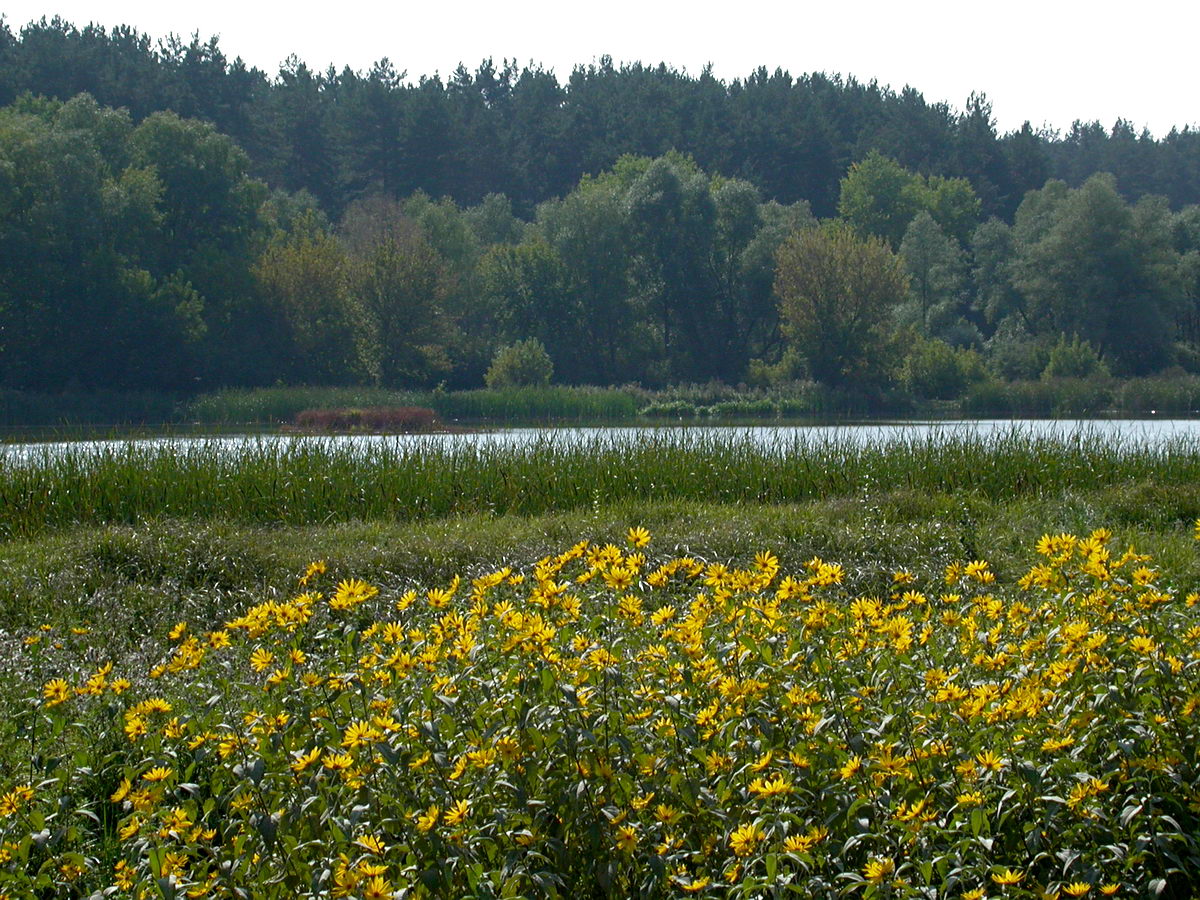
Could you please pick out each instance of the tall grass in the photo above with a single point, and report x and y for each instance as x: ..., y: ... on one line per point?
x: 276, y: 405
x: 281, y: 404
x: 310, y: 481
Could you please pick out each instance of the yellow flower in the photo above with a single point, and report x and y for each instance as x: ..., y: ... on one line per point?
x: 878, y: 869
x: 745, y: 838
x: 989, y: 760
x: 336, y: 762
x: 1077, y: 889
x: 377, y: 888
x: 314, y: 569
x: 351, y: 593
x: 359, y: 733
x: 456, y: 814
x: 261, y: 659
x: 158, y: 773
x: 640, y: 537
x: 122, y: 791
x: 772, y: 787
x: 627, y: 838
x: 130, y: 828
x: 372, y: 844
x: 1008, y: 876
x: 427, y: 819
x: 1143, y: 645
x: 304, y: 760
x: 851, y: 767
x: 9, y: 804
x: 802, y: 843
x: 56, y: 691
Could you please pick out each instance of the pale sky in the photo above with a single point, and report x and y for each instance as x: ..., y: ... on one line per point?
x: 1047, y: 61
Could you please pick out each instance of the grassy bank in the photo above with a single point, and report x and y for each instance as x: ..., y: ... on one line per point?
x: 304, y: 481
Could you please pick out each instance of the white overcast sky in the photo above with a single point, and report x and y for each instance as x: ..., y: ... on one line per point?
x: 1046, y: 61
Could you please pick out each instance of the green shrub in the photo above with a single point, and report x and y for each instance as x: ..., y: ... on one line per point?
x: 1074, y: 359
x: 523, y: 364
x: 935, y: 370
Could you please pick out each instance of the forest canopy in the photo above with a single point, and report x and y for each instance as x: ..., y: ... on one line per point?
x: 174, y: 220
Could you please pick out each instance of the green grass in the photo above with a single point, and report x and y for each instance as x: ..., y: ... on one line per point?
x: 307, y: 482
x: 139, y: 578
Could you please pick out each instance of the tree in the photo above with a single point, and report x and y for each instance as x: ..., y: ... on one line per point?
x: 525, y: 289
x: 589, y: 231
x: 881, y: 197
x: 401, y: 283
x: 835, y: 293
x: 991, y: 273
x: 305, y: 277
x: 1092, y: 266
x: 934, y: 265
x: 83, y: 302
x: 673, y: 219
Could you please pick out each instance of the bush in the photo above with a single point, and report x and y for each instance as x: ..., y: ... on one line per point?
x: 1014, y: 354
x: 935, y: 370
x: 523, y: 364
x: 1074, y: 359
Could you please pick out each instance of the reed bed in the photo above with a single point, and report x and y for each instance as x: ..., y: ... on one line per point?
x: 275, y: 405
x: 314, y: 481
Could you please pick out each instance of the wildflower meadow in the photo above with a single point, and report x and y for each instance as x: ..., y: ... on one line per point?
x: 612, y: 721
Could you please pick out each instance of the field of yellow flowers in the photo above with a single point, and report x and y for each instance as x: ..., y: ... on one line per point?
x: 609, y: 722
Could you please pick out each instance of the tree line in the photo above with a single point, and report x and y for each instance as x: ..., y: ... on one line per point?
x: 523, y: 132
x: 146, y: 249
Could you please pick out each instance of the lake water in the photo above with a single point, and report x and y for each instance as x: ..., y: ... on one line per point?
x: 1123, y: 431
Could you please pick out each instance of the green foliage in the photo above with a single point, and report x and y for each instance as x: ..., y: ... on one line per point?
x: 1092, y: 266
x: 142, y: 255
x: 1043, y: 398
x: 836, y: 291
x: 403, y: 286
x: 1074, y: 359
x: 880, y: 197
x: 305, y: 278
x: 523, y: 364
x: 935, y: 370
x: 1014, y: 354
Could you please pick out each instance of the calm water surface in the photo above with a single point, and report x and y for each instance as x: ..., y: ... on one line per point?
x: 1125, y: 431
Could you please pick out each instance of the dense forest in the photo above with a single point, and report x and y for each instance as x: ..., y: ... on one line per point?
x: 174, y: 220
